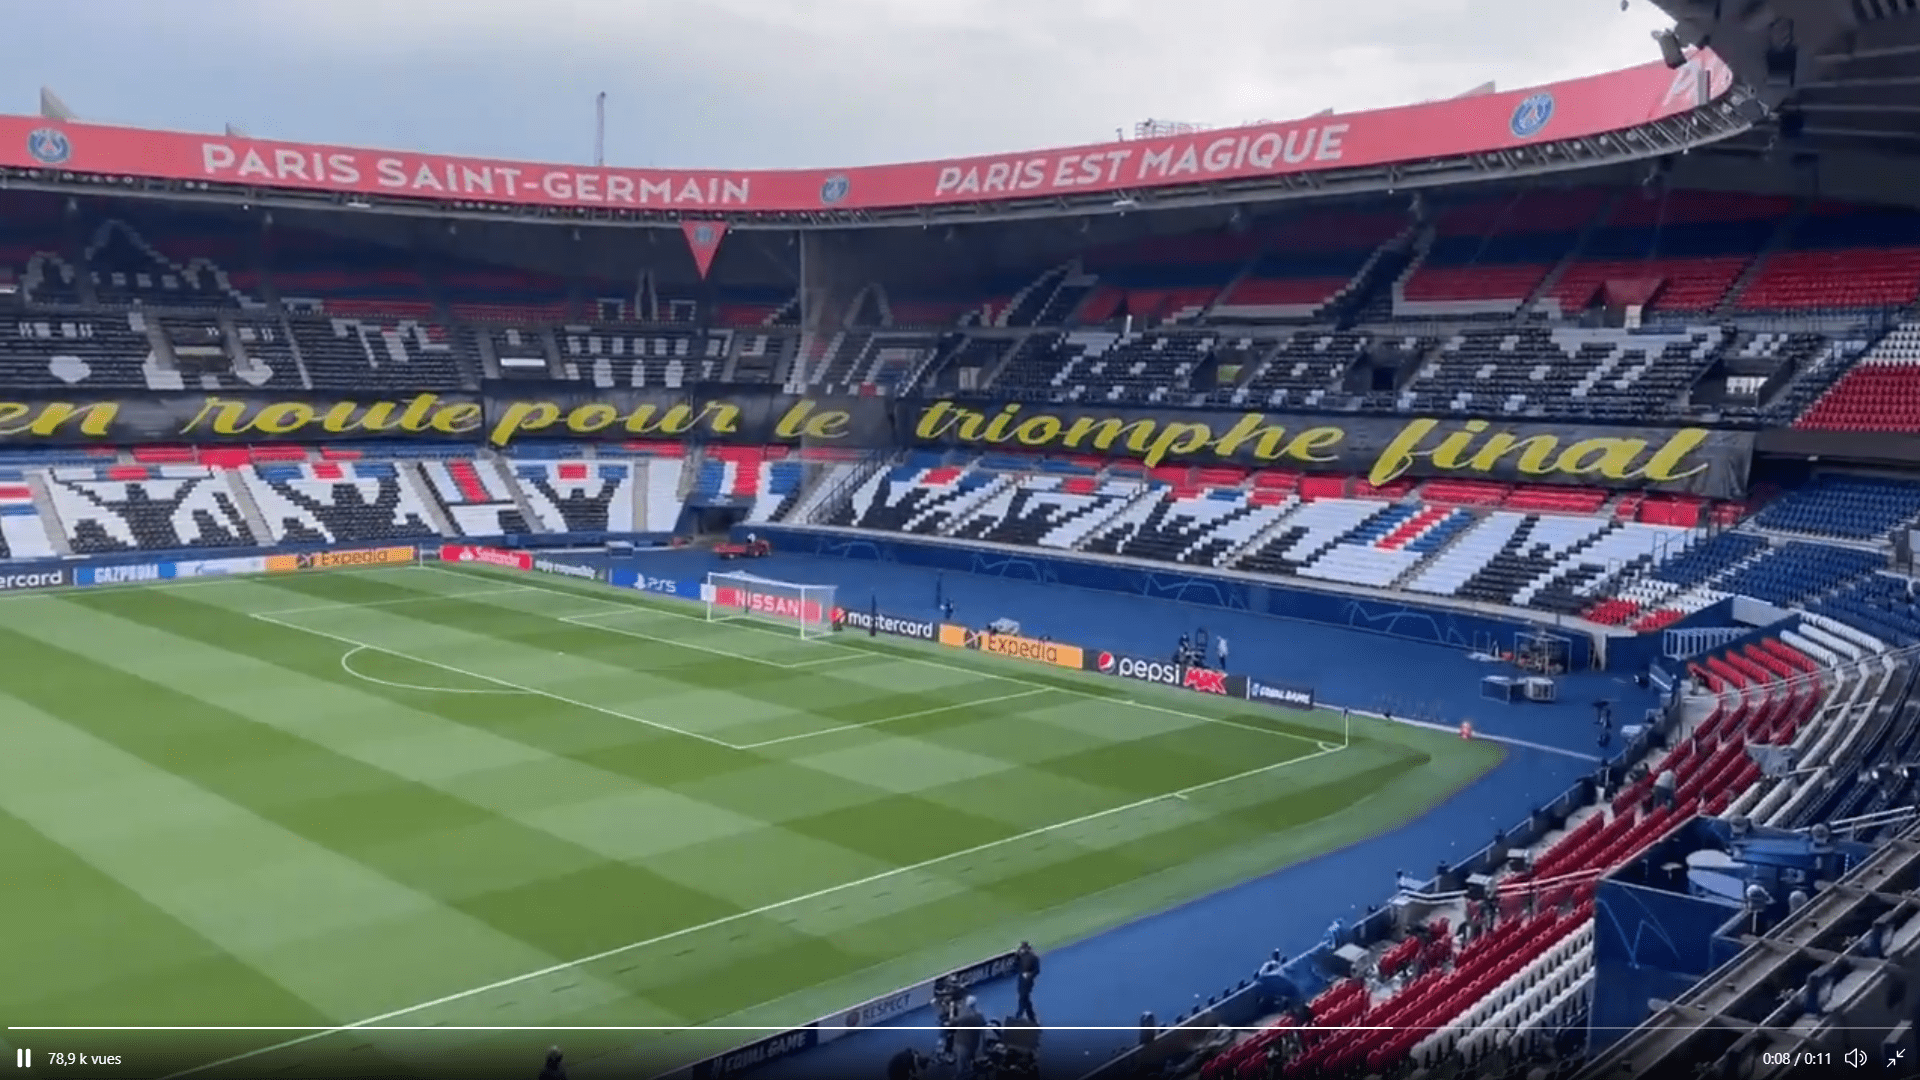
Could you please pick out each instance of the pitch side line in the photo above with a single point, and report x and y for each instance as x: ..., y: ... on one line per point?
x: 728, y: 920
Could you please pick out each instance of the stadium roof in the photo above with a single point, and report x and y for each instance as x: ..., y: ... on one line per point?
x: 1842, y: 75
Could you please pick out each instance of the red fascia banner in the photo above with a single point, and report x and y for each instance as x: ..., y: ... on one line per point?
x: 486, y: 556
x: 703, y: 239
x: 1578, y: 108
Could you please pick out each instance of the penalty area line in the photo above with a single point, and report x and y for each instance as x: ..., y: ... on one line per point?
x: 497, y: 681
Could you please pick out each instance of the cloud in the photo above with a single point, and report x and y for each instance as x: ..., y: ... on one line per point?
x: 778, y: 82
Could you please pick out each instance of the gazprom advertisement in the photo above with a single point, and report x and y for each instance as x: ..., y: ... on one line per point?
x: 134, y: 573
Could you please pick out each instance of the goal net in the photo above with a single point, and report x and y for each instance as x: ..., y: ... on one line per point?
x: 807, y: 609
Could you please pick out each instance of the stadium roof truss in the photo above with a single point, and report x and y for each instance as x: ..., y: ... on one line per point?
x: 1842, y: 75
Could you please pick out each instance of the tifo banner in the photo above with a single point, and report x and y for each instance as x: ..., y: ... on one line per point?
x: 22, y: 580
x: 131, y: 418
x: 879, y: 622
x: 486, y: 556
x: 1019, y: 648
x: 339, y: 560
x: 1167, y: 673
x: 502, y: 413
x: 828, y: 1028
x: 1379, y: 448
x: 659, y: 586
x: 1282, y: 694
x: 1699, y: 460
x: 573, y: 411
x: 1478, y: 124
x: 1702, y: 461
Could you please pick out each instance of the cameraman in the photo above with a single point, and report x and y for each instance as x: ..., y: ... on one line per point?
x: 947, y: 999
x: 969, y: 1031
x: 1019, y: 1054
x: 905, y: 1065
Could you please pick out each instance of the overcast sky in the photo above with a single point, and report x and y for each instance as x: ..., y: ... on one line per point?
x: 742, y: 83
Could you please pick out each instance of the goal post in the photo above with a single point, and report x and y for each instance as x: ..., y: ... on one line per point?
x: 733, y: 596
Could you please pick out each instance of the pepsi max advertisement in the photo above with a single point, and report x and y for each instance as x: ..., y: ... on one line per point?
x: 1167, y: 673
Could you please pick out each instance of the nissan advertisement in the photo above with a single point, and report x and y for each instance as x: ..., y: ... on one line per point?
x: 1167, y: 673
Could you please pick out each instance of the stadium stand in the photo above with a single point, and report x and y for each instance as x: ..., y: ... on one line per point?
x: 587, y: 496
x: 331, y: 502
x: 1504, y: 306
x: 1880, y: 393
x: 146, y: 508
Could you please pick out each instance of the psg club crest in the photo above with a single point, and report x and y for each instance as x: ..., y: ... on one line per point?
x: 49, y: 146
x: 1531, y: 116
x: 834, y: 190
x: 703, y: 235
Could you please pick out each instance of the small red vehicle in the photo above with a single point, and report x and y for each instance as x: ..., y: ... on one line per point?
x: 752, y: 549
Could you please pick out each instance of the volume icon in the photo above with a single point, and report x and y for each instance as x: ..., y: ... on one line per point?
x: 1855, y: 1057
x: 23, y: 1059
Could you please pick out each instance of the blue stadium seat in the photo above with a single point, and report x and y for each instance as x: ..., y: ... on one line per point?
x: 1850, y: 507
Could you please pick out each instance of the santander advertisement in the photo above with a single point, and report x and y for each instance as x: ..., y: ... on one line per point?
x: 486, y: 556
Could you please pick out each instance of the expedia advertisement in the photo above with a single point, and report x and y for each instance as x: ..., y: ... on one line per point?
x: 882, y: 623
x: 1167, y: 673
x: 22, y: 580
x: 1284, y: 695
x: 1019, y: 648
x: 1701, y: 461
x: 339, y: 560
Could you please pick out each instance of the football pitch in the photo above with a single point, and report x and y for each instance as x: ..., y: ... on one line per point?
x: 448, y: 800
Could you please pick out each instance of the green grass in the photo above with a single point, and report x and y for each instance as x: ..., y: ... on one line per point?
x: 315, y: 800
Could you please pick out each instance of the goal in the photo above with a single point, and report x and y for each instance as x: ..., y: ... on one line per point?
x: 735, y: 596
